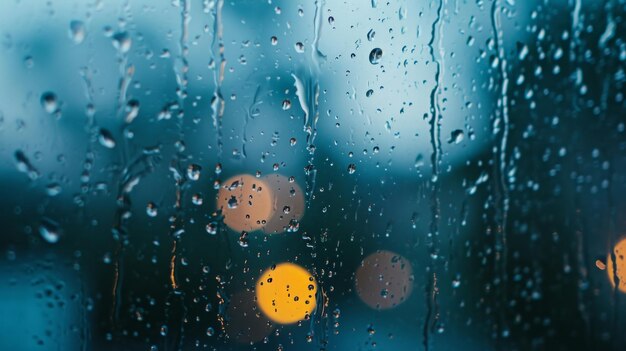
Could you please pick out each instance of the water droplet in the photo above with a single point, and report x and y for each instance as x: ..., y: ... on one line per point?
x: 53, y: 189
x: 29, y: 62
x: 77, y: 31
x: 193, y: 171
x: 375, y: 56
x: 351, y: 168
x: 132, y: 110
x: 286, y: 104
x: 370, y: 35
x: 274, y: 40
x: 232, y: 202
x: 299, y: 47
x: 151, y: 209
x: 243, y: 239
x: 106, y: 139
x: 196, y: 199
x: 211, y: 228
x: 49, y: 102
x: 369, y: 93
x: 50, y: 230
x: 331, y: 20
x: 210, y: 331
x: 24, y: 165
x: 122, y: 42
x: 456, y: 136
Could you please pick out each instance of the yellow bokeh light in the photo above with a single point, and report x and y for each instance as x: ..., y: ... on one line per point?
x: 286, y: 293
x: 619, y: 250
x: 246, y: 203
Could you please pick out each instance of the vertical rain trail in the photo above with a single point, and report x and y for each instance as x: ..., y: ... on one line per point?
x: 431, y: 288
x: 316, y: 54
x: 123, y: 43
x: 181, y: 92
x: 503, y: 204
x: 181, y: 70
x: 217, y: 102
x: 308, y: 90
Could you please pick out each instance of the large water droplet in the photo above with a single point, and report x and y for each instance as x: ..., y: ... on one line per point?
x: 77, y: 31
x: 193, y: 171
x: 375, y: 56
x: 106, y: 139
x: 456, y: 136
x: 49, y: 230
x: 49, y: 102
x: 132, y: 110
x: 122, y: 42
x: 151, y: 209
x: 24, y: 165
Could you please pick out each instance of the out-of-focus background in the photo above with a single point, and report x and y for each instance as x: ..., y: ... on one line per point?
x: 312, y: 175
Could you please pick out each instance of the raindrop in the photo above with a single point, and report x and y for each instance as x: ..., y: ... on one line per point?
x: 49, y: 230
x: 211, y: 228
x: 286, y: 104
x: 152, y: 209
x: 274, y: 40
x: 77, y: 31
x: 24, y: 165
x: 375, y: 56
x: 351, y: 168
x: 196, y: 199
x: 132, y: 110
x: 122, y: 42
x: 49, y: 102
x: 53, y: 189
x: 299, y: 47
x: 369, y: 93
x: 232, y: 202
x: 456, y: 136
x: 193, y: 171
x: 370, y: 35
x: 106, y: 139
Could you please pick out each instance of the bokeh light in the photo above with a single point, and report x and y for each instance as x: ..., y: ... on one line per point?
x: 619, y: 250
x: 246, y: 203
x: 286, y: 293
x: 288, y: 203
x: 384, y: 280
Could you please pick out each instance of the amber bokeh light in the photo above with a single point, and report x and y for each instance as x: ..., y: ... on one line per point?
x: 384, y: 280
x: 246, y: 203
x: 286, y: 293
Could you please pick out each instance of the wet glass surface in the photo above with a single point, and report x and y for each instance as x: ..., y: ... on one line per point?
x: 313, y: 175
